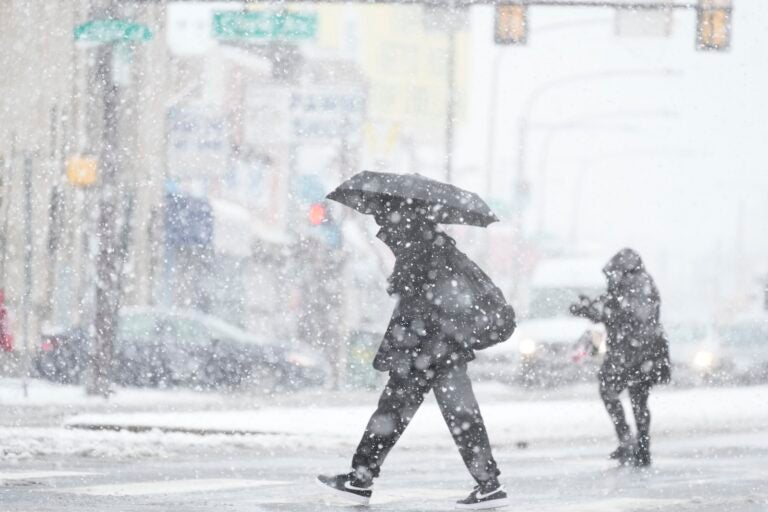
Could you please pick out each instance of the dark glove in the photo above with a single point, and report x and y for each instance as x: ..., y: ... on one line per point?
x: 586, y: 308
x: 582, y: 307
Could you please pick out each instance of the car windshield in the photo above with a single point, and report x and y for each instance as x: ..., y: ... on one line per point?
x: 223, y: 330
x: 742, y: 335
x: 137, y: 326
x: 185, y: 330
x: 554, y: 302
x: 687, y: 333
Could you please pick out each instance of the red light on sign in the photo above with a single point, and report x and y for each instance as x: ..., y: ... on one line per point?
x: 316, y: 214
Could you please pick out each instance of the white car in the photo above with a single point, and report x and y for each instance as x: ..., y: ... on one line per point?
x: 733, y: 352
x: 545, y: 352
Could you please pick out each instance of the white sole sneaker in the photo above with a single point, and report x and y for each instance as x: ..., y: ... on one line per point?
x: 354, y: 498
x: 484, y: 505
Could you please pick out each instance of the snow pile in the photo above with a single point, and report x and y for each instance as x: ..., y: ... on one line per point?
x: 43, y: 394
x: 675, y: 413
x: 576, y: 421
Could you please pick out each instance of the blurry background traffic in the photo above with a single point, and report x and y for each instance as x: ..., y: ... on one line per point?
x: 164, y: 165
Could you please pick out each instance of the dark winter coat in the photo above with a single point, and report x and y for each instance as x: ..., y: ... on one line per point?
x: 425, y: 333
x: 637, y: 347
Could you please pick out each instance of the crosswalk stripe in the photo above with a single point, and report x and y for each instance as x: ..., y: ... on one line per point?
x: 616, y: 505
x: 169, y: 487
x: 33, y: 475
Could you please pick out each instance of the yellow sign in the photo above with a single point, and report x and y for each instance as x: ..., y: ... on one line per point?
x: 82, y: 171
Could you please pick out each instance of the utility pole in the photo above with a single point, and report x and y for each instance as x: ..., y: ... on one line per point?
x: 114, y: 38
x: 451, y: 104
x: 28, y: 255
x: 107, y: 267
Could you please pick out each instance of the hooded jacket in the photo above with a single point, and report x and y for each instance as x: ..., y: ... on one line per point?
x: 630, y: 310
x: 424, y: 334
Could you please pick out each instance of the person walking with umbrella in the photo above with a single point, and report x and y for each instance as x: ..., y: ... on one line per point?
x: 446, y: 308
x: 637, y: 355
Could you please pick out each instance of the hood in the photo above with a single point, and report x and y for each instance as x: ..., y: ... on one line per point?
x: 623, y: 262
x: 407, y: 235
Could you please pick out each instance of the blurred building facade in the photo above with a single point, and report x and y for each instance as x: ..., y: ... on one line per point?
x: 212, y: 132
x: 52, y: 116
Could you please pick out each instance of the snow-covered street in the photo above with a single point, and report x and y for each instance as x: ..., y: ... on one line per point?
x: 267, y: 255
x: 206, y: 452
x: 709, y: 473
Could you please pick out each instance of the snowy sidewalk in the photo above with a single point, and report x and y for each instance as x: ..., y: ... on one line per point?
x: 168, y: 421
x: 675, y: 412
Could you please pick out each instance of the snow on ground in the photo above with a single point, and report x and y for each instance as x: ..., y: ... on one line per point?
x: 675, y: 412
x: 325, y: 426
x: 43, y: 394
x: 20, y: 444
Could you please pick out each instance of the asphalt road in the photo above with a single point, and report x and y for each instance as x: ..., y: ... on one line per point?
x: 725, y: 472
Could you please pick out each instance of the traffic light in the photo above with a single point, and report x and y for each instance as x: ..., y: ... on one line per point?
x: 765, y: 294
x: 82, y: 171
x: 323, y: 226
x: 511, y: 24
x: 713, y: 25
x: 317, y: 214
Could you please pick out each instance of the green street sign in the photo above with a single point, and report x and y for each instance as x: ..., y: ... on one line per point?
x: 285, y: 26
x: 108, y: 31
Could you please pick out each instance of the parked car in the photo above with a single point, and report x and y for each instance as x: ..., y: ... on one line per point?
x: 158, y: 347
x: 732, y: 352
x: 548, y: 346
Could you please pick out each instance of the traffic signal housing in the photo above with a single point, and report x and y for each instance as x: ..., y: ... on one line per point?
x: 713, y: 25
x: 511, y: 24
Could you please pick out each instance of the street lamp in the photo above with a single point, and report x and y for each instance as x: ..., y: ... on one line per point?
x: 579, y: 123
x: 490, y: 154
x: 635, y: 154
x: 449, y: 17
x: 539, y: 92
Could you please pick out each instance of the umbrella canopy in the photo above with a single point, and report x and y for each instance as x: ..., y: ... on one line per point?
x: 370, y: 192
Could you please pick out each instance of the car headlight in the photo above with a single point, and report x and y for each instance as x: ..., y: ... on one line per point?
x: 703, y: 360
x: 527, y: 347
x: 599, y: 340
x: 300, y: 360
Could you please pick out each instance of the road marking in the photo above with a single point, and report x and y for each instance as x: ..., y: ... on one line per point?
x: 32, y: 475
x: 616, y: 505
x: 169, y: 487
x: 425, y: 495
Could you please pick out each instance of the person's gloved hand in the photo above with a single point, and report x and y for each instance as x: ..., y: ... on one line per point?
x: 582, y: 307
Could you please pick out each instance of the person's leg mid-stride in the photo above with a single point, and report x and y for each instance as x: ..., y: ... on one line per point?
x: 399, y: 401
x: 611, y: 386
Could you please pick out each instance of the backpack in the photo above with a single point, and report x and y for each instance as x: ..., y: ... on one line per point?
x: 484, y: 317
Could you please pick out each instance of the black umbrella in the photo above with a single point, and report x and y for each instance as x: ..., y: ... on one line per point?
x: 369, y: 192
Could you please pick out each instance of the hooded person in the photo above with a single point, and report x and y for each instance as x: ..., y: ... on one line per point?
x: 426, y: 347
x: 637, y: 355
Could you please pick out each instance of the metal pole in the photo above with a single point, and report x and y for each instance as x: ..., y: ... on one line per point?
x: 520, y: 185
x: 542, y: 174
x: 28, y: 254
x: 490, y: 156
x: 107, y: 267
x: 450, y: 106
x: 586, y: 166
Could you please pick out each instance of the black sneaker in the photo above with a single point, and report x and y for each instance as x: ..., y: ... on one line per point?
x: 349, y: 487
x: 642, y: 458
x: 491, y: 495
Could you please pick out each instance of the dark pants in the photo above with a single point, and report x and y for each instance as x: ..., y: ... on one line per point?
x: 401, y: 399
x: 611, y: 387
